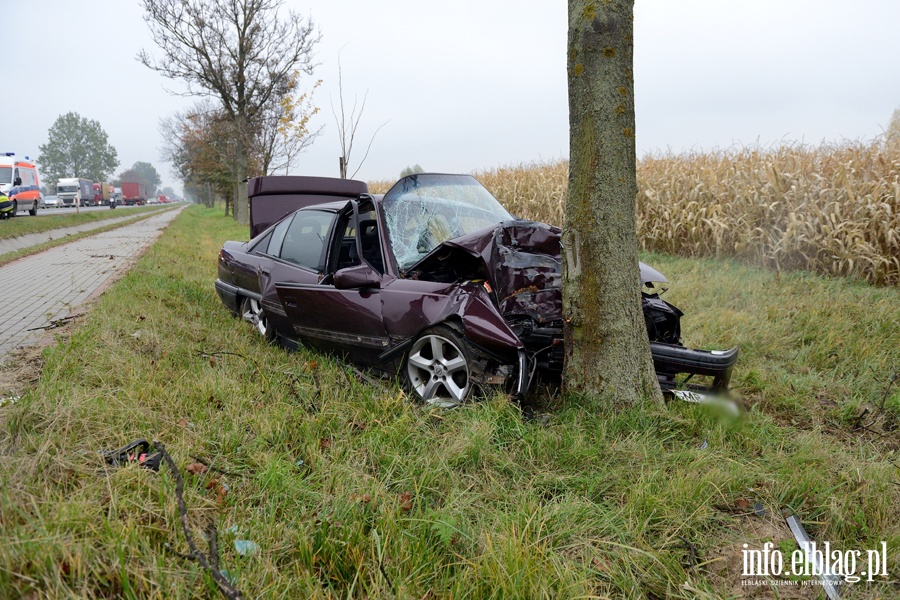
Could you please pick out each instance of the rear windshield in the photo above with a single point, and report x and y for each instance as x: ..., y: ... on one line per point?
x: 5, y: 174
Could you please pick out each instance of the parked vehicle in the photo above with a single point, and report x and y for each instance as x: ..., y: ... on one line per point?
x: 133, y: 193
x: 74, y: 191
x: 19, y: 181
x: 435, y: 281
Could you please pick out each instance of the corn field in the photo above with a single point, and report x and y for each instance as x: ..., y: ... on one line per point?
x: 829, y: 209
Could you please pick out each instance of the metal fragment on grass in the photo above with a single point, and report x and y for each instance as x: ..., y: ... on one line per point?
x: 830, y: 582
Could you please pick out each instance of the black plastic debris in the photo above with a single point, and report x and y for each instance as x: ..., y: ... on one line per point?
x: 137, y: 451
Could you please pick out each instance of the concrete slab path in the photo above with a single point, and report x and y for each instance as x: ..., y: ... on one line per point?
x: 39, y: 289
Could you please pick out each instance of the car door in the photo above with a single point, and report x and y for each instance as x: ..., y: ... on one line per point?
x: 343, y: 318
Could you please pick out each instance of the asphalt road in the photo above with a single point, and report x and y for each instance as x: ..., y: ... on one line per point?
x: 41, y: 289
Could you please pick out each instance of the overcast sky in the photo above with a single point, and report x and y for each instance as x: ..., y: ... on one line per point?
x: 468, y: 85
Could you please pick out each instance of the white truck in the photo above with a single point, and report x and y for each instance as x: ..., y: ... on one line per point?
x: 75, y: 192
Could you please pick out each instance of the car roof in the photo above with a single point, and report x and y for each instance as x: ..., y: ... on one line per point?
x: 333, y: 206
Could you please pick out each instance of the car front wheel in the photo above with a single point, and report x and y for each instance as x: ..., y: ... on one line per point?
x: 438, y: 367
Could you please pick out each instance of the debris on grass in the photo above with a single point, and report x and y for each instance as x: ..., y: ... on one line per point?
x: 812, y: 559
x: 246, y: 547
x: 728, y: 405
x: 209, y: 562
x: 137, y: 451
x: 9, y: 400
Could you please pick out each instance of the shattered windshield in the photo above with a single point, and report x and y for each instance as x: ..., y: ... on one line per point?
x: 423, y: 211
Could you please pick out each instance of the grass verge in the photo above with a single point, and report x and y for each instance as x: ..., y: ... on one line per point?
x: 9, y: 257
x: 349, y: 489
x: 26, y: 224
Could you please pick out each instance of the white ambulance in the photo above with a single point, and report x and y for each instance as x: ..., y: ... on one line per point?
x: 19, y: 181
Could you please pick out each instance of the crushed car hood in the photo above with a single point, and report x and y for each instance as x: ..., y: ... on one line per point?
x: 520, y: 260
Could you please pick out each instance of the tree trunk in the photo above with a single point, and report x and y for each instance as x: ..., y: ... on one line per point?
x: 241, y: 204
x: 607, y: 348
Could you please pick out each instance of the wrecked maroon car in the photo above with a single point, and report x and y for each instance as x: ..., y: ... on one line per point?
x: 434, y: 281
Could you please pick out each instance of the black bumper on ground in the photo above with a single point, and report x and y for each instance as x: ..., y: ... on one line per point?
x: 671, y: 360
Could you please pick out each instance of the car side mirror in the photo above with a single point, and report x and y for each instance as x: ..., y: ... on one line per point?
x: 358, y: 277
x: 17, y: 181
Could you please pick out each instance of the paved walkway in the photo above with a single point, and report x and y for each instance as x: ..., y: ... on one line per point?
x: 33, y: 239
x: 39, y: 289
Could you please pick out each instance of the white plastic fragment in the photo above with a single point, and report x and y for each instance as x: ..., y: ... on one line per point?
x: 697, y: 398
x: 246, y: 547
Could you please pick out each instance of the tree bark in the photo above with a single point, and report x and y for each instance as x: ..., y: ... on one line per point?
x: 241, y: 204
x: 607, y: 348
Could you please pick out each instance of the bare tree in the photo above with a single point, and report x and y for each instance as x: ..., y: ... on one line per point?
x: 240, y: 52
x: 607, y: 348
x: 347, y: 127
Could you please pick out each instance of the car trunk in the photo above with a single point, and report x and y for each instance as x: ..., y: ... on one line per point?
x: 274, y: 196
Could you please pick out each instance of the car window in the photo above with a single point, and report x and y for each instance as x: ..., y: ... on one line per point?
x: 304, y: 242
x: 274, y: 246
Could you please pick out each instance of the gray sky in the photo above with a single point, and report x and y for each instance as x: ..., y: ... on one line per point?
x: 468, y: 85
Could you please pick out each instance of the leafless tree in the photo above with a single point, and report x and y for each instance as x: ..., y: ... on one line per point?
x: 607, y: 348
x: 242, y: 53
x: 347, y: 127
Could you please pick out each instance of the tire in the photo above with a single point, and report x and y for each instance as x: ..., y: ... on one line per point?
x: 252, y: 312
x: 15, y: 209
x: 437, y: 367
x: 34, y: 208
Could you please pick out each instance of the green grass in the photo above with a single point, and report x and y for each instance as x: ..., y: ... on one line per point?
x: 352, y: 490
x: 24, y: 224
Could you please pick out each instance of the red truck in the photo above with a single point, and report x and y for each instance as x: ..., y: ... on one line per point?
x: 133, y: 193
x: 102, y: 192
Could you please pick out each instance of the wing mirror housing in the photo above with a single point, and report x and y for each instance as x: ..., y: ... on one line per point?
x: 358, y: 277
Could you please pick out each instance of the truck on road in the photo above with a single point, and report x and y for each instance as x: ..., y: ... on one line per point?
x: 102, y: 192
x: 74, y: 191
x: 133, y: 193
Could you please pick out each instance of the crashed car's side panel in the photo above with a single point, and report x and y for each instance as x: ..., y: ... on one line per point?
x: 336, y: 320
